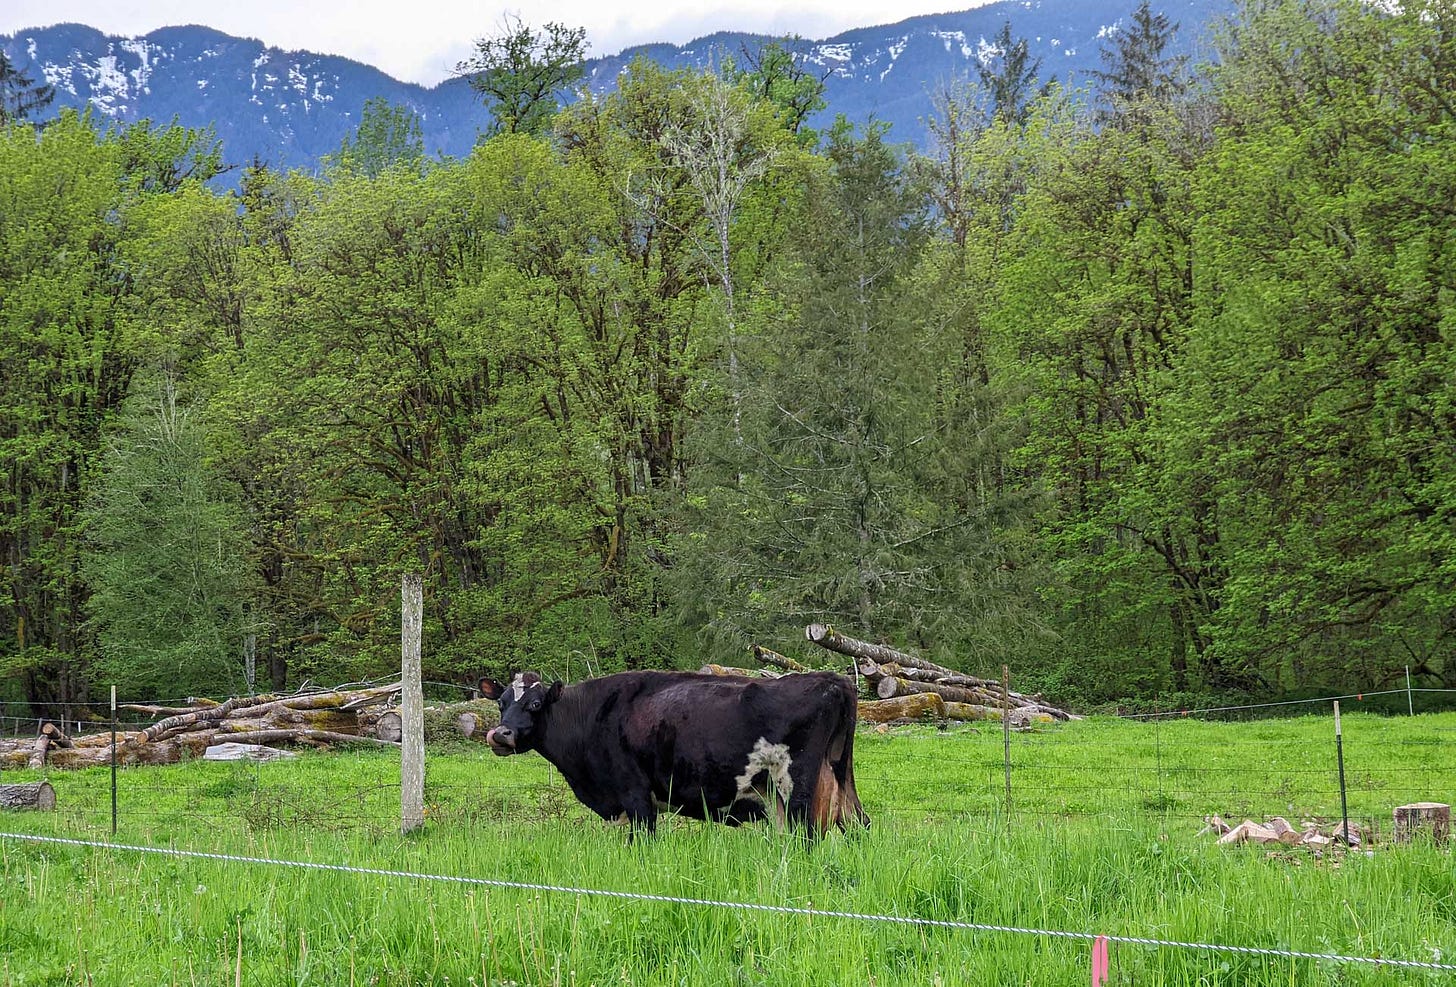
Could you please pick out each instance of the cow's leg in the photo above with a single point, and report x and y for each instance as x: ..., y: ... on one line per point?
x: 849, y: 808
x: 824, y: 805
x: 641, y: 813
x: 815, y: 793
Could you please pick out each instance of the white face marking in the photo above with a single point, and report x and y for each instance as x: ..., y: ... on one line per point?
x: 769, y: 759
x: 518, y: 684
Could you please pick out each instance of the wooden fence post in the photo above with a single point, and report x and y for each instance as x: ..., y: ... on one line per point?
x: 411, y: 705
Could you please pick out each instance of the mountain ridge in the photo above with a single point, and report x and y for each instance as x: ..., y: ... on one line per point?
x: 289, y: 108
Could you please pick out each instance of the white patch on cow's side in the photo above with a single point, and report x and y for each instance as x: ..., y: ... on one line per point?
x: 772, y: 760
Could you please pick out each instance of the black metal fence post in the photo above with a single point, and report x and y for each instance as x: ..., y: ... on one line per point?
x: 113, y: 760
x: 1340, y: 761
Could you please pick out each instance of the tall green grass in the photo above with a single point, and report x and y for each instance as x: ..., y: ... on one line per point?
x: 1102, y: 838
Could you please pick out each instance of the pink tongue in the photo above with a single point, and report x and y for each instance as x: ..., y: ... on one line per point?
x: 489, y: 734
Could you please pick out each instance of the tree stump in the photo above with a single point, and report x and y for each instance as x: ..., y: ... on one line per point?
x: 33, y: 795
x: 1411, y: 819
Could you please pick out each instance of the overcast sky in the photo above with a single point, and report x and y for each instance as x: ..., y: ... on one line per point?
x: 422, y: 40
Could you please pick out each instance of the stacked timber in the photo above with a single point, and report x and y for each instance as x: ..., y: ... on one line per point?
x: 897, y: 675
x: 338, y: 717
x: 907, y: 687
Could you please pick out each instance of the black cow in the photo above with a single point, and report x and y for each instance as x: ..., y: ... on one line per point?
x: 724, y: 748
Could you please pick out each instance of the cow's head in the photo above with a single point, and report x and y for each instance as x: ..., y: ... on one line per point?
x: 522, y: 704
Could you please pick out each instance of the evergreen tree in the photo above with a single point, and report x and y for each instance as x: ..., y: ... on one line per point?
x: 1008, y: 78
x: 1138, y: 69
x: 20, y: 97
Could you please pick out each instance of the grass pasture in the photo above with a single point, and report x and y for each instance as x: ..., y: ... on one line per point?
x: 1102, y: 839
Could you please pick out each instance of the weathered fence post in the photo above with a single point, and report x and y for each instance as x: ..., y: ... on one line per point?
x: 411, y: 705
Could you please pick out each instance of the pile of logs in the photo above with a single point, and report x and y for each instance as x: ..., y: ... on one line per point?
x: 906, y: 687
x: 354, y: 716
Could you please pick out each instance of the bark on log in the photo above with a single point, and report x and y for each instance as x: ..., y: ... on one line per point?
x: 970, y: 711
x: 316, y: 736
x: 1411, y: 819
x: 827, y: 637
x: 711, y: 669
x: 333, y: 720
x: 915, y: 706
x: 956, y: 678
x: 186, y: 720
x: 152, y: 710
x: 766, y: 657
x: 889, y: 688
x: 38, y: 752
x: 31, y: 795
x: 231, y: 751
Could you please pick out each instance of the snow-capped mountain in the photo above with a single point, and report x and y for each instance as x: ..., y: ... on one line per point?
x: 289, y: 108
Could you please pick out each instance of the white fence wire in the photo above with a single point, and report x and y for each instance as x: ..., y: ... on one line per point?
x: 743, y: 906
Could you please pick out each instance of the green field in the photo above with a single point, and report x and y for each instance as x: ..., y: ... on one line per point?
x: 1102, y: 839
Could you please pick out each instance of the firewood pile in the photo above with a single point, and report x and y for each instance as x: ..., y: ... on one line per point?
x: 356, y: 716
x: 907, y: 687
x: 1279, y: 830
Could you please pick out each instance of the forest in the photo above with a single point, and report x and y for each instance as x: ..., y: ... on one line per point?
x: 1141, y: 384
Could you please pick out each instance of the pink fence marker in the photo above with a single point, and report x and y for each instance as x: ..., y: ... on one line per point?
x: 1100, y: 965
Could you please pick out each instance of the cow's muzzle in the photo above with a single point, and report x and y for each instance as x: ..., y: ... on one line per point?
x: 502, y: 740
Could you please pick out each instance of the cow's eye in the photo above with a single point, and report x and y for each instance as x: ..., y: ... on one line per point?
x: 535, y: 706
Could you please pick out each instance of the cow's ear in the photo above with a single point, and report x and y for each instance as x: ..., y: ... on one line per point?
x: 554, y: 693
x: 490, y: 688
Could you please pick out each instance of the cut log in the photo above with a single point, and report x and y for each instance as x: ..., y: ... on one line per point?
x: 827, y: 637
x: 315, y: 736
x: 949, y: 678
x: 1417, y: 816
x: 766, y: 657
x: 970, y: 711
x: 389, y: 727
x: 889, y: 688
x: 31, y: 795
x: 244, y: 752
x: 711, y: 669
x: 914, y: 706
x: 57, y: 735
x: 38, y: 752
